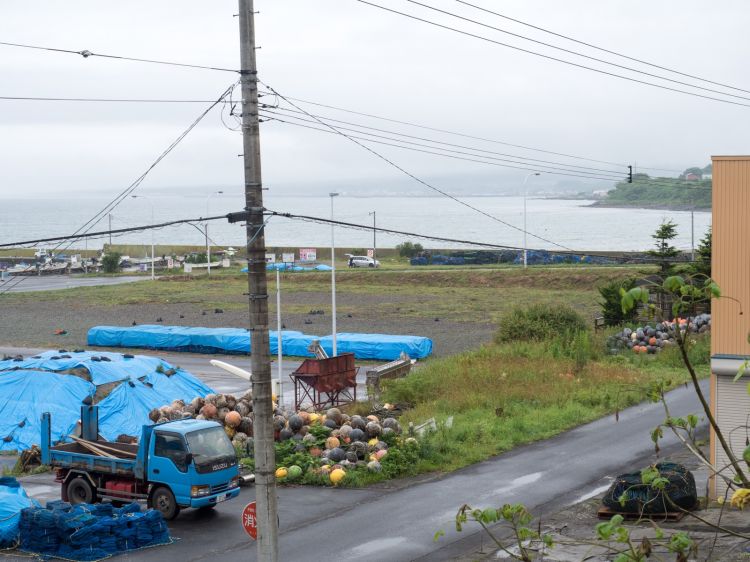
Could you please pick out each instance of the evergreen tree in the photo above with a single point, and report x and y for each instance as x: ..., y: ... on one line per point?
x: 702, y: 263
x: 665, y: 252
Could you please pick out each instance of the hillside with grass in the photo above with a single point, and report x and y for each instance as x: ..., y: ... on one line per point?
x: 690, y: 191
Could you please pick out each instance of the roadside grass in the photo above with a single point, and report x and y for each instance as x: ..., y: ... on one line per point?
x: 505, y: 395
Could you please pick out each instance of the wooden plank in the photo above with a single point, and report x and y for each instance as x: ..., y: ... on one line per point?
x: 91, y: 447
x: 607, y: 513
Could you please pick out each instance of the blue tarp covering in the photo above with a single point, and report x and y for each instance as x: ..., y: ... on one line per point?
x: 292, y: 267
x: 379, y: 346
x: 28, y: 388
x: 13, y: 499
x: 182, y: 338
x: 236, y: 340
x: 26, y: 395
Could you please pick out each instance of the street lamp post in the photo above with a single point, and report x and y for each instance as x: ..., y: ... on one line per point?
x: 525, y: 251
x: 153, y: 275
x: 374, y: 243
x: 205, y: 227
x: 333, y: 278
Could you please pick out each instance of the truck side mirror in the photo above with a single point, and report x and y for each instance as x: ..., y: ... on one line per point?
x: 188, y: 459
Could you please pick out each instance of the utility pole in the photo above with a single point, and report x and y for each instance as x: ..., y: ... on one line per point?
x: 110, y: 232
x: 374, y: 243
x: 692, y: 236
x: 260, y: 361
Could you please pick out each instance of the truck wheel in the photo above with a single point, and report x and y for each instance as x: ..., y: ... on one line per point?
x: 79, y: 490
x: 163, y: 500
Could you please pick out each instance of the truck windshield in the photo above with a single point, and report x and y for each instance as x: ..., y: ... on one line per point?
x: 210, y: 445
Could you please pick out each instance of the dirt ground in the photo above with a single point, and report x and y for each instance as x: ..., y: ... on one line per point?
x: 33, y: 324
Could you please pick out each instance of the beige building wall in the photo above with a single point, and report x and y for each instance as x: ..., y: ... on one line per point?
x: 730, y: 320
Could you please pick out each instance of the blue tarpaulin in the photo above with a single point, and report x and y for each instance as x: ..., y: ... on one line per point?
x: 29, y: 387
x: 26, y: 395
x: 13, y: 499
x: 236, y: 340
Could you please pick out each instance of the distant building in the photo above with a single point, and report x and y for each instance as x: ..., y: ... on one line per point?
x: 708, y: 176
x: 600, y: 193
x: 692, y: 177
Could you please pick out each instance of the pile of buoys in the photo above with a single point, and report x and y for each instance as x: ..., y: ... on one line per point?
x: 652, y: 339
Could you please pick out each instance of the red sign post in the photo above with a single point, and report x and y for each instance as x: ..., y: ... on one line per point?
x: 249, y: 521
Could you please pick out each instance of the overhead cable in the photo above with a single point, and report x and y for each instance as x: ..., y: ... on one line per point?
x: 549, y: 57
x: 86, y: 54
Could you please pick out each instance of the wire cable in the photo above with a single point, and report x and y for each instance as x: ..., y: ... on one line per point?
x: 86, y: 54
x: 102, y: 100
x: 270, y: 109
x: 538, y: 167
x: 415, y: 178
x: 549, y: 57
x: 464, y: 135
x: 569, y: 51
x: 602, y: 48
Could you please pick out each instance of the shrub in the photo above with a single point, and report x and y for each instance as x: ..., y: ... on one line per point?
x: 111, y: 262
x: 540, y: 322
x: 611, y: 302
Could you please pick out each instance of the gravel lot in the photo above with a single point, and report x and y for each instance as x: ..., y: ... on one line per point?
x: 32, y: 324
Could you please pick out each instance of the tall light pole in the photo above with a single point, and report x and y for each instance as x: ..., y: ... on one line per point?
x: 153, y: 276
x: 525, y: 251
x: 205, y: 226
x: 374, y: 244
x: 333, y: 278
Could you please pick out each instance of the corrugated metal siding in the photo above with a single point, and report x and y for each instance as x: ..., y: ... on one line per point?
x: 734, y: 407
x: 730, y: 265
x: 730, y: 268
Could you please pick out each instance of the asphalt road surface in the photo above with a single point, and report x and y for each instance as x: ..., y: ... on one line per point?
x: 397, y: 521
x: 32, y: 283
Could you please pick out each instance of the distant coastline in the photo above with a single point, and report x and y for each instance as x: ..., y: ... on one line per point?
x: 651, y: 206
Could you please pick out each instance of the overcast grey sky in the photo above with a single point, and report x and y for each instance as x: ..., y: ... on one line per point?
x: 344, y: 53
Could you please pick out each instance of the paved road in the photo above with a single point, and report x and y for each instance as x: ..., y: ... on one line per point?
x: 397, y: 523
x: 55, y: 282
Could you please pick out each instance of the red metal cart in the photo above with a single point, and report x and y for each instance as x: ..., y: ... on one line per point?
x: 325, y: 382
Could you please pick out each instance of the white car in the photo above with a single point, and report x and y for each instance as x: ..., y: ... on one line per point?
x: 363, y: 261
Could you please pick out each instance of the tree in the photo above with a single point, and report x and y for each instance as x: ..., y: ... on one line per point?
x: 111, y: 262
x: 665, y: 252
x: 702, y: 263
x: 694, y: 170
x: 409, y: 249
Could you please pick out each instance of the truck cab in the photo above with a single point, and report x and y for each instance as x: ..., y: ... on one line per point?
x: 175, y: 465
x: 190, y: 463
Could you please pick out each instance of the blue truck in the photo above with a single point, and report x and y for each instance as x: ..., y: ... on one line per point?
x: 176, y: 464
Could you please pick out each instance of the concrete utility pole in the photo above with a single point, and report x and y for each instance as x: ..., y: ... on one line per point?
x: 260, y: 361
x: 692, y: 236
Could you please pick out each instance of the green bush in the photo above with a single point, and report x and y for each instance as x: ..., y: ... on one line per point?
x: 111, y: 262
x: 611, y: 302
x: 409, y: 249
x: 540, y: 322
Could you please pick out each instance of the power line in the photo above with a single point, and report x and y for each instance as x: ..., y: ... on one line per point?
x: 114, y: 231
x: 549, y: 57
x: 602, y: 48
x: 465, y: 135
x: 409, y: 174
x: 538, y: 167
x: 101, y: 100
x: 270, y: 109
x: 109, y: 207
x: 370, y: 228
x: 458, y: 134
x: 86, y: 54
x: 569, y: 51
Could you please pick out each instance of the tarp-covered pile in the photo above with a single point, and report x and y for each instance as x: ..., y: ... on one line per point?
x: 236, y: 340
x: 13, y: 499
x: 89, y: 532
x: 125, y: 387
